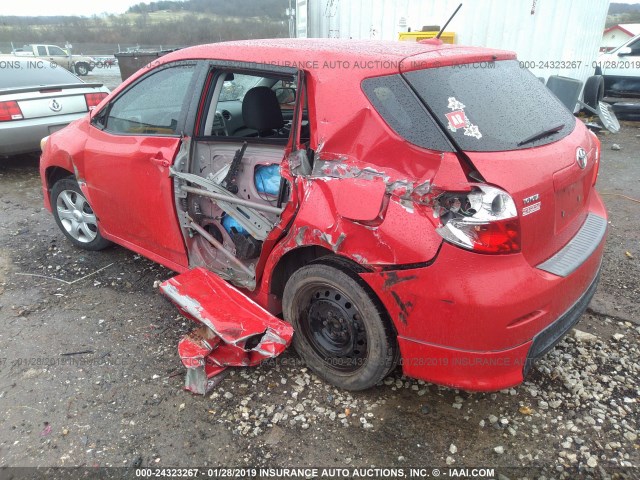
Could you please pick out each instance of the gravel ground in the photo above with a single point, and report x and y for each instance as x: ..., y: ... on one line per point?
x: 90, y: 376
x: 108, y: 75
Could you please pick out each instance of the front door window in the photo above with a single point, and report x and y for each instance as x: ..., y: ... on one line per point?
x: 154, y: 105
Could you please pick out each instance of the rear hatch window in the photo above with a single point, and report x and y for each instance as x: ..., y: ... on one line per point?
x: 492, y: 106
x: 404, y: 112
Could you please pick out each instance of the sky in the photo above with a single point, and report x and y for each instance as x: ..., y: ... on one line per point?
x: 86, y: 8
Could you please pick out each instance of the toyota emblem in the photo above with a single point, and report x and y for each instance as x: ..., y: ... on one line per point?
x: 581, y: 157
x: 54, y: 105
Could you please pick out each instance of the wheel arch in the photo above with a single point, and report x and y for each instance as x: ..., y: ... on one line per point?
x: 593, y: 90
x: 305, y: 255
x: 55, y: 173
x: 291, y: 261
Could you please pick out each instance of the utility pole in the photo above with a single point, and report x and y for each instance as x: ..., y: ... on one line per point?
x: 68, y: 46
x: 291, y: 13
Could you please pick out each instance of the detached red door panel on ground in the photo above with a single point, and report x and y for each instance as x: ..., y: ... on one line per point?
x: 238, y: 331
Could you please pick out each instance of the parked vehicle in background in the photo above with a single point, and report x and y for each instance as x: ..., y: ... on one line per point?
x: 79, y: 64
x: 620, y: 70
x: 102, y: 61
x: 402, y: 208
x: 37, y: 99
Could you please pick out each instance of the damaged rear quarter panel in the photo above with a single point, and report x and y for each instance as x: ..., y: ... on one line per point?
x: 357, y: 147
x: 400, y: 236
x: 398, y: 290
x: 358, y: 199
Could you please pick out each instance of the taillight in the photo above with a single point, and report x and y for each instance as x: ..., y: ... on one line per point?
x: 93, y: 99
x: 10, y: 111
x: 484, y: 219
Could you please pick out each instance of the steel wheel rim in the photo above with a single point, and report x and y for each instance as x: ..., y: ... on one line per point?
x: 76, y: 216
x: 334, y: 328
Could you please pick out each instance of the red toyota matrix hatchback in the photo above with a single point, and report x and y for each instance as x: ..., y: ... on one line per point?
x: 424, y: 205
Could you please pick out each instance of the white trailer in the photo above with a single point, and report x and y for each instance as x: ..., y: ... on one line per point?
x: 553, y: 37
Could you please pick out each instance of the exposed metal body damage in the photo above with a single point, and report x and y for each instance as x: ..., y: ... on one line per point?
x: 234, y: 330
x: 206, y: 208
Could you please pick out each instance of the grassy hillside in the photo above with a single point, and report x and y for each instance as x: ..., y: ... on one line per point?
x: 623, y: 13
x: 247, y: 8
x: 185, y: 23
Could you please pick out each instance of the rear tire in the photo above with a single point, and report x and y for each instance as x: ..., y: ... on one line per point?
x: 82, y: 69
x: 340, y: 331
x: 75, y: 217
x: 593, y: 91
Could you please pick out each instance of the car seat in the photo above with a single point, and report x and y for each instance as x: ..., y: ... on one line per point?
x: 261, y: 112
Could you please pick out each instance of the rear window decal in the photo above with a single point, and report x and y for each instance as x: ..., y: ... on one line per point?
x: 472, y: 131
x: 458, y: 119
x: 455, y: 104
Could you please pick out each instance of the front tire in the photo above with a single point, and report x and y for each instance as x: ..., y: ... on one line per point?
x: 75, y: 217
x: 340, y: 330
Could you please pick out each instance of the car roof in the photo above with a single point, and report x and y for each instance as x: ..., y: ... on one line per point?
x: 370, y: 57
x: 315, y: 48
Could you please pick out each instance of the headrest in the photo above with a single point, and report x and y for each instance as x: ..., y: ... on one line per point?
x: 261, y: 110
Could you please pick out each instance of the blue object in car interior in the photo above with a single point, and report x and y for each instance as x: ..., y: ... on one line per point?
x: 267, y: 179
x: 228, y: 222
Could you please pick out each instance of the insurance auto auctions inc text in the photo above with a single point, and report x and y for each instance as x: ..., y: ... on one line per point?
x: 373, y: 472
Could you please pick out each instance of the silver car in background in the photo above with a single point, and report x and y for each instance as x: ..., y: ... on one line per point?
x: 36, y: 99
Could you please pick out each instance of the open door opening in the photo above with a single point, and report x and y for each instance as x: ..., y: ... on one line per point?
x: 234, y: 198
x: 231, y: 191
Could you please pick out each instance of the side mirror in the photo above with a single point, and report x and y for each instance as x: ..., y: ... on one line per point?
x: 624, y: 51
x: 285, y: 96
x: 99, y: 118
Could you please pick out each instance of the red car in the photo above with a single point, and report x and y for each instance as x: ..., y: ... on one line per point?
x: 415, y: 204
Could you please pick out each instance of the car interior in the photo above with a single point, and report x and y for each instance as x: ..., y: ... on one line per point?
x: 236, y: 157
x: 251, y: 106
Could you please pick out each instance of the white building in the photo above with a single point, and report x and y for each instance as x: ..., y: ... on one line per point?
x: 618, y: 34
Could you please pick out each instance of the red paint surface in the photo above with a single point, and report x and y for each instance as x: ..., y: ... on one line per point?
x: 142, y: 212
